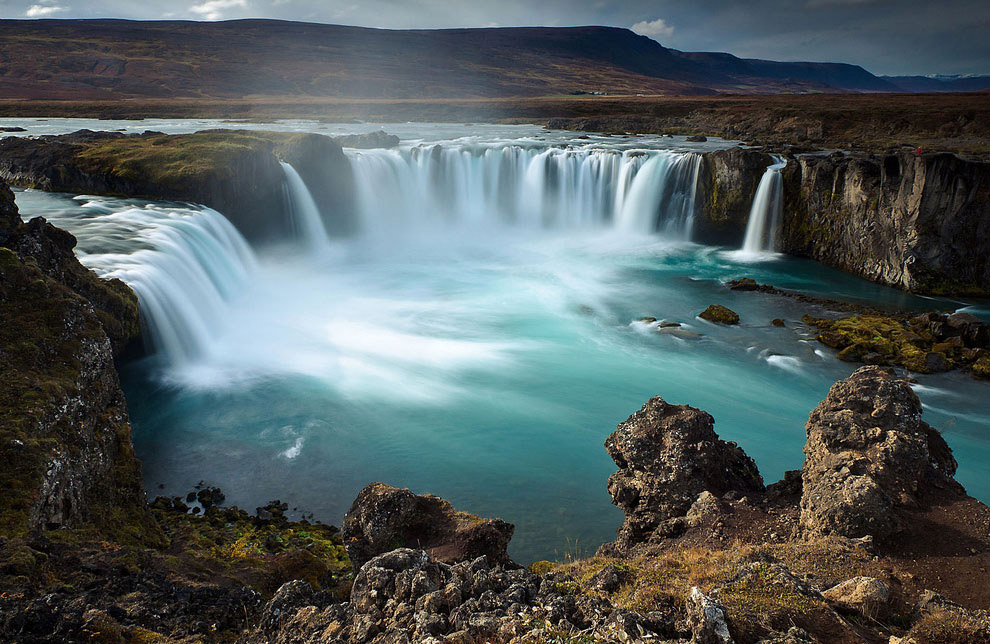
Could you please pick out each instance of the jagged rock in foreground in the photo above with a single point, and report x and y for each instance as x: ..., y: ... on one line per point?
x: 383, y: 518
x: 405, y: 596
x: 668, y: 455
x: 869, y: 458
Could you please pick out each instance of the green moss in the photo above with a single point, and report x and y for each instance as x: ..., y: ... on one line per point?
x: 981, y: 368
x: 261, y: 554
x: 887, y: 340
x: 171, y: 163
x: 541, y: 567
x: 758, y: 604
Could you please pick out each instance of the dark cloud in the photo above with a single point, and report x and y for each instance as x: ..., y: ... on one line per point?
x: 885, y: 36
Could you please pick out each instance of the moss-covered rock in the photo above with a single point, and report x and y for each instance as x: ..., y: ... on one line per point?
x: 720, y: 314
x: 930, y: 343
x: 234, y: 171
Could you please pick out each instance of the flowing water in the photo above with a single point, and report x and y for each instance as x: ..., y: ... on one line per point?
x: 478, y: 338
x: 763, y: 226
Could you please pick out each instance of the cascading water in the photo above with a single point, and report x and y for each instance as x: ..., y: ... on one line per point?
x: 763, y: 225
x: 461, y: 362
x: 305, y: 213
x: 632, y: 191
x: 188, y: 264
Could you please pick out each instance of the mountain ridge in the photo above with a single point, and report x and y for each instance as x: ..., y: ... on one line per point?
x: 115, y: 58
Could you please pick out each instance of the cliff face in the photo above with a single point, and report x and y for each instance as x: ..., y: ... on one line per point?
x: 64, y: 428
x: 727, y: 182
x: 917, y: 222
x: 235, y: 172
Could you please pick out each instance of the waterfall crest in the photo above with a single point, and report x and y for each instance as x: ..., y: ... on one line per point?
x: 306, y: 216
x: 191, y: 263
x: 763, y: 225
x: 632, y: 191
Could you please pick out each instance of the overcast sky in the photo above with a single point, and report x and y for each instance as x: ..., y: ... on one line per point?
x: 885, y: 36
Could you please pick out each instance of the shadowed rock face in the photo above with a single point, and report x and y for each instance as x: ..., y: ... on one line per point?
x: 727, y: 184
x: 64, y: 429
x: 868, y: 456
x: 668, y: 455
x: 234, y: 172
x: 383, y: 518
x: 921, y: 223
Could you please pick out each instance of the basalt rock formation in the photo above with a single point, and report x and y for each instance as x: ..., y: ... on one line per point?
x: 383, y: 518
x: 870, y: 459
x: 668, y: 455
x: 917, y: 222
x: 233, y: 171
x: 64, y: 429
x: 727, y: 183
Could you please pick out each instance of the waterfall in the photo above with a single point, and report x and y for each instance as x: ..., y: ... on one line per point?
x: 763, y: 225
x: 187, y: 265
x: 306, y: 214
x: 469, y: 185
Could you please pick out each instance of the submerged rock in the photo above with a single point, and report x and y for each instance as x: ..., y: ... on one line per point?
x: 869, y: 454
x: 720, y: 314
x: 383, y: 518
x: 667, y: 456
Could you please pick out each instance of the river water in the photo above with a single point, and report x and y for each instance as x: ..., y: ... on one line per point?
x: 478, y: 338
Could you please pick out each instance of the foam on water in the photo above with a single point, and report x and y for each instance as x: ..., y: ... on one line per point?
x: 478, y: 339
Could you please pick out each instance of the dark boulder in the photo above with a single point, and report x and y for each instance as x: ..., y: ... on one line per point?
x: 383, y: 518
x: 668, y: 455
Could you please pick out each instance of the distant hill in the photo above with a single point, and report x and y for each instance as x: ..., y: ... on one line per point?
x: 106, y: 59
x: 940, y: 83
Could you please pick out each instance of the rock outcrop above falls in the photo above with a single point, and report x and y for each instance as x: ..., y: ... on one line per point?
x: 917, y: 222
x: 727, y: 184
x: 236, y: 172
x: 383, y: 518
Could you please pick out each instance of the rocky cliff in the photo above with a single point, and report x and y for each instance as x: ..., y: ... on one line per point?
x: 234, y: 172
x: 917, y: 222
x: 727, y: 183
x: 64, y: 429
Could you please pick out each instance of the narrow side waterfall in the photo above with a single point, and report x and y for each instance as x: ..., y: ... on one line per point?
x: 306, y: 214
x: 763, y: 225
x: 188, y: 264
x: 634, y: 191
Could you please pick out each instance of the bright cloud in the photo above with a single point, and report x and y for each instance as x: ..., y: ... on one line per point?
x: 43, y: 10
x: 213, y: 9
x: 653, y: 28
